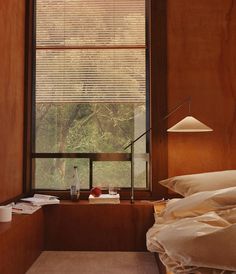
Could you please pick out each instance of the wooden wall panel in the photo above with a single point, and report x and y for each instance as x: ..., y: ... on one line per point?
x: 201, y: 38
x: 21, y: 242
x: 12, y: 30
x: 80, y: 226
x: 158, y: 102
x: 202, y: 64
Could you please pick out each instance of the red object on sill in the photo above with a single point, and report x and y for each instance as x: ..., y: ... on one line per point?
x: 96, y: 191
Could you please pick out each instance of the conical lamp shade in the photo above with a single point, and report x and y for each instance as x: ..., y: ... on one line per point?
x: 189, y: 124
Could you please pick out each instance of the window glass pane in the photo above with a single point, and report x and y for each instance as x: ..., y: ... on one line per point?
x: 88, y: 127
x: 118, y: 173
x: 141, y: 168
x: 111, y: 173
x: 57, y: 173
x: 89, y: 22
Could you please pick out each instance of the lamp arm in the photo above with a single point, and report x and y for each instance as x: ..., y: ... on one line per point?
x: 179, y: 106
x: 135, y: 140
x: 131, y: 144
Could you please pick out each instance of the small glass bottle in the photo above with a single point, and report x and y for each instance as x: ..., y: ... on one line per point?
x: 75, y: 186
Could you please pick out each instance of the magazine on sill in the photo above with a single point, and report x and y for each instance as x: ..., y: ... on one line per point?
x: 24, y: 208
x: 41, y: 199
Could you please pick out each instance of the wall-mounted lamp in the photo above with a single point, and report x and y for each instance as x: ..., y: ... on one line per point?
x: 188, y: 124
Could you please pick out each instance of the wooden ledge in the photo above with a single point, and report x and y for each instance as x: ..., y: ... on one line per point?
x: 17, y: 220
x: 122, y: 202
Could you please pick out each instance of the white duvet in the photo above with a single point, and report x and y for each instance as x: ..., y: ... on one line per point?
x: 197, y: 234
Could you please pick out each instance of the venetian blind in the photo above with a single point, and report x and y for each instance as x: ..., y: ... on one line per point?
x: 90, y: 51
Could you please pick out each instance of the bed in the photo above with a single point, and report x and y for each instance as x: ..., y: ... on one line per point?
x: 197, y: 233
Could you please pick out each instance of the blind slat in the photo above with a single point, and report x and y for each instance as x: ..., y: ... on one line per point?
x: 117, y: 22
x: 90, y: 75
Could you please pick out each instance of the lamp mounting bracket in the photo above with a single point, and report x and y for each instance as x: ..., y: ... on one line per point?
x: 187, y: 100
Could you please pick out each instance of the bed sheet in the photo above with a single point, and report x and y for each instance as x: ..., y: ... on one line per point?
x: 197, y: 234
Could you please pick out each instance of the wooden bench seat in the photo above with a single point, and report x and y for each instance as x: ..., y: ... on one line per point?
x: 21, y: 242
x: 73, y: 226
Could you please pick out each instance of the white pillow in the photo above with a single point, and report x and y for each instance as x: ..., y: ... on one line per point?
x: 189, y: 184
x: 200, y: 203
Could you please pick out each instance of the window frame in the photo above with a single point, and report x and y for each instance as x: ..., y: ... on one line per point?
x: 156, y: 13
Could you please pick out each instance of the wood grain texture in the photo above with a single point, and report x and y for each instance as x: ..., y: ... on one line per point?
x: 158, y: 94
x: 21, y: 242
x: 202, y: 64
x: 12, y: 28
x: 161, y: 267
x: 80, y: 226
x: 201, y: 38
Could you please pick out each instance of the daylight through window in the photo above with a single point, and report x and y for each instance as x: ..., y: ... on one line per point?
x: 90, y: 91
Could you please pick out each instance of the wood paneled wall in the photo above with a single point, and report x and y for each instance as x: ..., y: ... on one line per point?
x: 12, y: 42
x: 201, y: 63
x: 158, y: 102
x: 108, y: 227
x: 201, y: 38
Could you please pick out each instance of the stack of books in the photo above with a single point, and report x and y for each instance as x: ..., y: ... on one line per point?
x: 105, y: 199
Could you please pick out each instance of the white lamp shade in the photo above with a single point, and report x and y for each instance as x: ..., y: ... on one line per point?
x: 189, y: 124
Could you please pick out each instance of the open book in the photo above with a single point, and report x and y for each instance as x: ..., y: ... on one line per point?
x: 40, y: 200
x: 24, y: 208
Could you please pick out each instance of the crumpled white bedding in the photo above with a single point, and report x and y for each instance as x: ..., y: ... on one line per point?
x: 197, y: 234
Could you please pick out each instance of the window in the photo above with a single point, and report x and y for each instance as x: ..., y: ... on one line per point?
x: 91, y: 92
